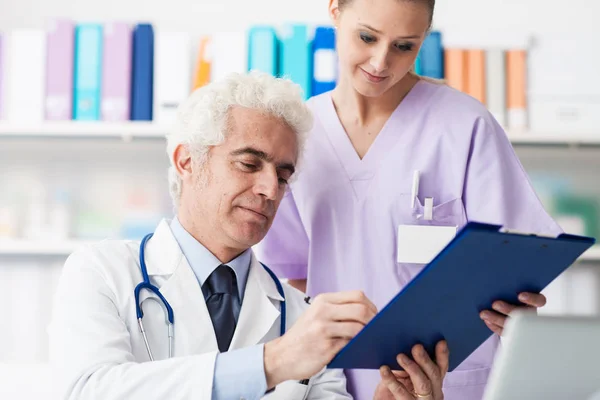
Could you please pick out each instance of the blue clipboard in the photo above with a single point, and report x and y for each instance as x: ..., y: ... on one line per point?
x: 480, y: 265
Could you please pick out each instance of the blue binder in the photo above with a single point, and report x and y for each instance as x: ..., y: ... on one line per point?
x: 295, y: 56
x: 142, y: 69
x: 87, y: 73
x: 263, y: 50
x: 418, y: 66
x: 324, y: 71
x: 480, y: 265
x: 432, y: 56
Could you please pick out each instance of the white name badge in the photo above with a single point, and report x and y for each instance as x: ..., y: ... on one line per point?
x: 419, y: 244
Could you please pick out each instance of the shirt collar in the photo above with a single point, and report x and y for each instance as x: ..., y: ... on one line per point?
x: 203, y: 262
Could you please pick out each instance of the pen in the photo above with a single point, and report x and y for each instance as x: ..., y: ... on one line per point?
x: 415, y: 189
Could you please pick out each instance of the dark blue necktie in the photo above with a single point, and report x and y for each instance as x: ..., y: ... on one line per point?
x: 220, y: 293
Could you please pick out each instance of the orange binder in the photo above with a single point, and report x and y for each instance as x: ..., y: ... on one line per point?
x: 455, y: 68
x: 476, y: 75
x: 203, y: 64
x: 516, y: 87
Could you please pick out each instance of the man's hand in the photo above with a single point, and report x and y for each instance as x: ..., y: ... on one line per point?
x: 320, y: 333
x: 495, y: 320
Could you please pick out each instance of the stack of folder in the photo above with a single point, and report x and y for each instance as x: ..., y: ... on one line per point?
x: 494, y: 76
x: 117, y: 71
x: 83, y: 72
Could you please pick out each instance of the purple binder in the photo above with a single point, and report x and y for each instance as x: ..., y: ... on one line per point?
x: 116, y: 72
x: 59, y: 70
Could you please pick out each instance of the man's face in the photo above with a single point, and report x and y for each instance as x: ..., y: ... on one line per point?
x: 243, y: 180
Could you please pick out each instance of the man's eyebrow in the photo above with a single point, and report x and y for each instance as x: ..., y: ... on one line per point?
x: 263, y: 156
x: 252, y: 151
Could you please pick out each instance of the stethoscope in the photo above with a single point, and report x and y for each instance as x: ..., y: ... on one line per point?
x: 145, y: 284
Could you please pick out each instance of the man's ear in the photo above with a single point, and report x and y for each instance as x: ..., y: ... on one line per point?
x: 182, y: 161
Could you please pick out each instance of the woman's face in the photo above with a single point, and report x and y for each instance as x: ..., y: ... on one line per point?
x: 378, y: 41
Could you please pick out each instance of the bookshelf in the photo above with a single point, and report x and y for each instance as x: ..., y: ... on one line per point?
x: 62, y: 248
x: 82, y: 130
x: 155, y: 131
x: 22, y: 247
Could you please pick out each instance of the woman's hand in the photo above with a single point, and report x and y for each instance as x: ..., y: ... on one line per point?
x: 495, y: 320
x: 421, y: 378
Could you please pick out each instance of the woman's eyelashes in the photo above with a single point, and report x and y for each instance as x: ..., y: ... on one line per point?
x: 368, y: 39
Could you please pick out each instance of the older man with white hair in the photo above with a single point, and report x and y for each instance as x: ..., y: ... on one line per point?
x: 189, y: 312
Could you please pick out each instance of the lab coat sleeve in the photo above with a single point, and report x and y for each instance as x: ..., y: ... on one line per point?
x: 90, y: 348
x: 497, y: 189
x: 329, y: 384
x: 285, y: 247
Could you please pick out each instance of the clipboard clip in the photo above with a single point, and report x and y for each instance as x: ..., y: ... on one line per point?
x: 517, y: 232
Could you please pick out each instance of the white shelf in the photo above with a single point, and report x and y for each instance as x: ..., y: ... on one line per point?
x: 22, y: 247
x: 66, y: 247
x: 151, y: 130
x: 564, y: 139
x: 75, y: 129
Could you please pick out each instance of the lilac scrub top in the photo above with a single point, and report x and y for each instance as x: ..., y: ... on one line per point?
x: 337, y: 225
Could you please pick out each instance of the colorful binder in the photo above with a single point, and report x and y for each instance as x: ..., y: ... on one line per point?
x: 325, y: 63
x: 142, y: 70
x: 59, y: 70
x: 88, y: 72
x: 516, y: 78
x: 203, y: 63
x: 263, y: 49
x: 295, y: 56
x: 230, y: 54
x: 455, y: 68
x: 172, y: 72
x: 2, y: 62
x: 432, y: 56
x: 25, y: 75
x: 496, y: 84
x: 116, y: 72
x: 418, y: 66
x: 476, y: 74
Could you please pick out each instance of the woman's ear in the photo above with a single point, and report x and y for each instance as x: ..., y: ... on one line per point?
x: 334, y: 12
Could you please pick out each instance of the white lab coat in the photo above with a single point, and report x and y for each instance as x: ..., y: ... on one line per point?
x: 97, y: 350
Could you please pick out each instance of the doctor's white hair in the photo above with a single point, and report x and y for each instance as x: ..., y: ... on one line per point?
x: 202, y: 120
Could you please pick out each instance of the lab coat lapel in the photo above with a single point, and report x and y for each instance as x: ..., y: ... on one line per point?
x: 260, y: 308
x: 194, y: 332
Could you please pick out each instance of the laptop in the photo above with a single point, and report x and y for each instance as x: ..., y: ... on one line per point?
x: 547, y: 357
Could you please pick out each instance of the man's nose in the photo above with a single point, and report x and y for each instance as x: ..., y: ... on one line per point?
x: 267, y: 183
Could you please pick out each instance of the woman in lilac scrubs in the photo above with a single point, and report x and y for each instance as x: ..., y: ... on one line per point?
x: 337, y: 227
